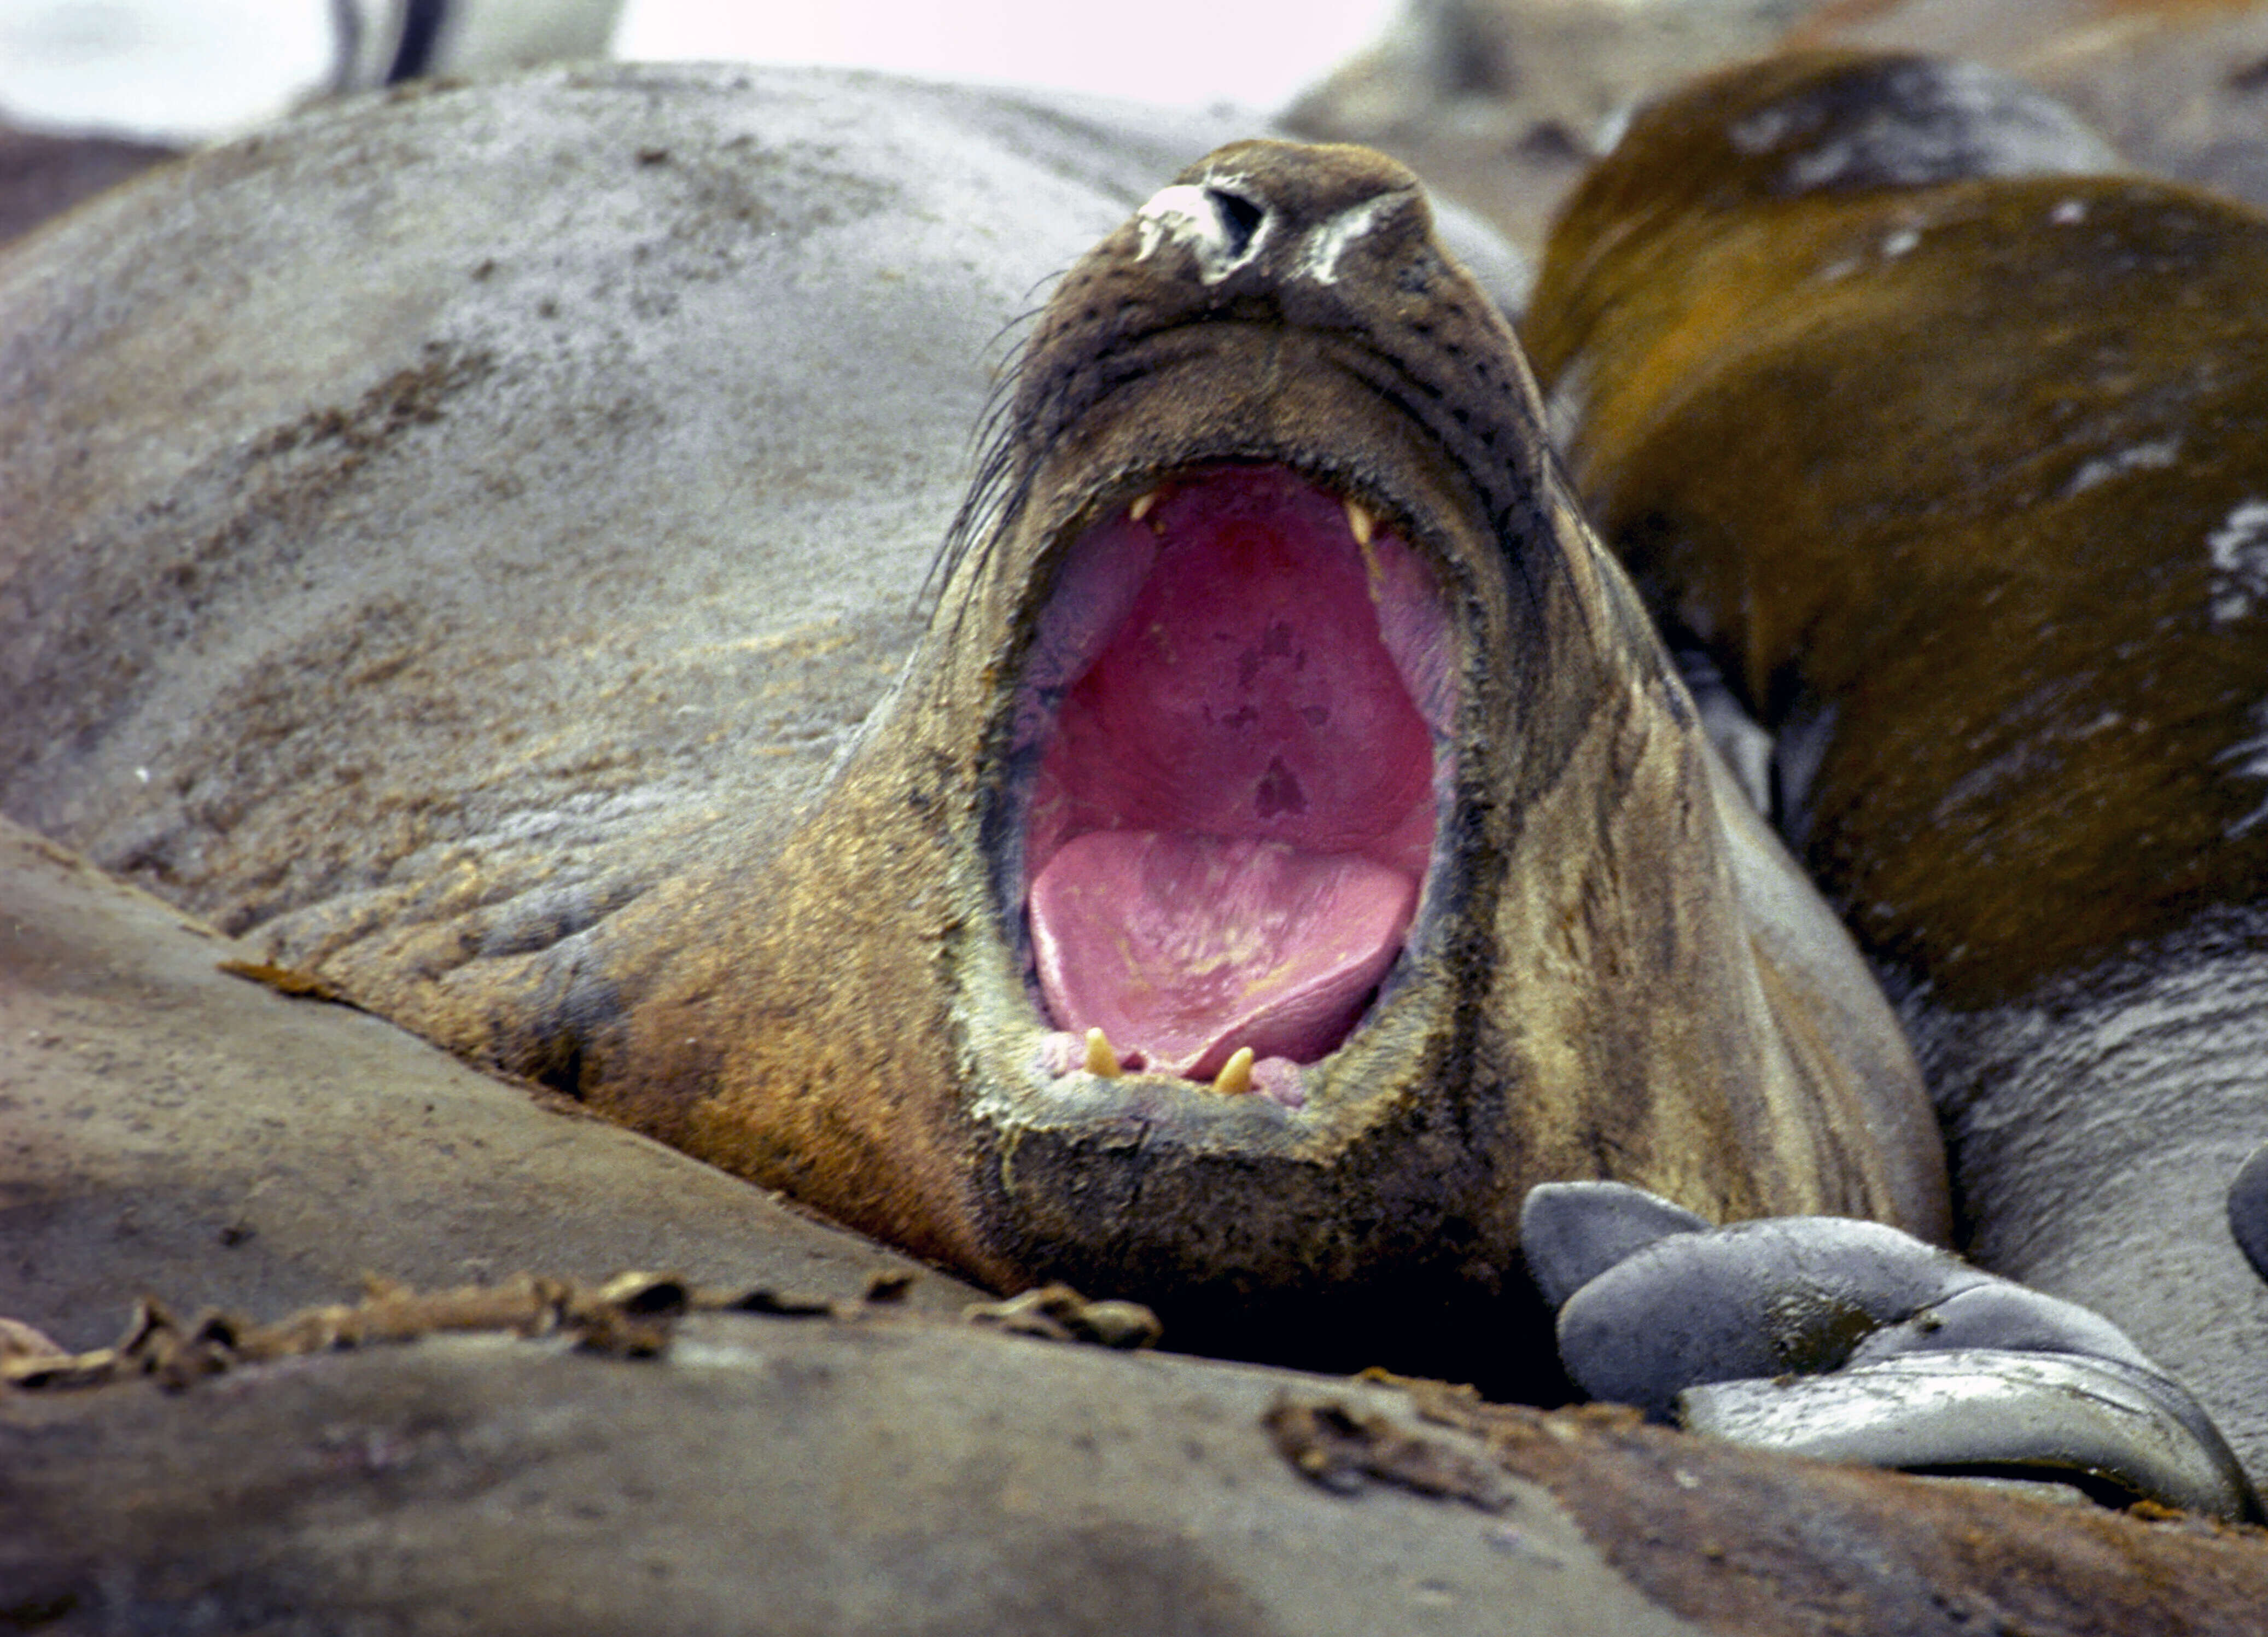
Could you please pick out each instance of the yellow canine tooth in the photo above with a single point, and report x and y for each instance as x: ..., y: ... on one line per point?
x: 1101, y: 1061
x: 1359, y: 522
x: 1235, y: 1076
x: 1140, y: 509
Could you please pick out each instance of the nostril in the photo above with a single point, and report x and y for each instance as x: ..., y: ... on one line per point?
x: 1240, y: 219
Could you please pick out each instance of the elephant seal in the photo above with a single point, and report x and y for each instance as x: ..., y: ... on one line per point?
x: 1939, y: 433
x: 1285, y: 846
x: 520, y: 635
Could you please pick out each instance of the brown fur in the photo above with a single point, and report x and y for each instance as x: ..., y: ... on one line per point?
x: 1907, y: 531
x: 1961, y: 481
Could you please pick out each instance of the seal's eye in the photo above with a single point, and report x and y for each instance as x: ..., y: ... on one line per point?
x: 1240, y: 219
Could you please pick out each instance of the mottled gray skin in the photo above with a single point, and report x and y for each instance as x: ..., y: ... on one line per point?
x: 170, y: 1130
x: 406, y: 616
x: 698, y: 333
x: 718, y: 338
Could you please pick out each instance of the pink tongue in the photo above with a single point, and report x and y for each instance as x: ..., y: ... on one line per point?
x: 1186, y: 948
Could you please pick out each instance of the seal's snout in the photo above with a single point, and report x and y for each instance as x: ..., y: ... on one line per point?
x: 1266, y: 204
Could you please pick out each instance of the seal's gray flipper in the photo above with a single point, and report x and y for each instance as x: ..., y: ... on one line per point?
x: 1769, y: 1297
x: 1572, y: 1232
x: 1695, y: 1326
x: 2008, y: 1318
x: 2248, y: 1212
x: 2117, y: 1433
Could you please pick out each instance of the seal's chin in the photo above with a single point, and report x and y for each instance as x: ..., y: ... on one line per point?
x: 1238, y: 706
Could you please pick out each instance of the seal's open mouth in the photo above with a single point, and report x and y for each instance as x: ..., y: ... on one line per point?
x: 1240, y: 695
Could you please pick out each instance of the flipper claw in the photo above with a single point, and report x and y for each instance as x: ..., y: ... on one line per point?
x: 2114, y: 1431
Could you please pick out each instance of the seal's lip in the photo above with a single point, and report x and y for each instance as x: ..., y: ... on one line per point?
x: 1233, y: 750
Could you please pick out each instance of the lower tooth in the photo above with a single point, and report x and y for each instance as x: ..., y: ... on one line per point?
x: 1101, y: 1061
x: 1235, y: 1076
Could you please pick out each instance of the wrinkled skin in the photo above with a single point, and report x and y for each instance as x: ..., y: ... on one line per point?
x: 483, y: 646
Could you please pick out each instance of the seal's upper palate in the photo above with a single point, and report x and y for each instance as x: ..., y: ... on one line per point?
x: 1227, y: 797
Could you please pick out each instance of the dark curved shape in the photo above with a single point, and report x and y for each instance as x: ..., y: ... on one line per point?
x: 2117, y: 1433
x: 421, y: 32
x: 2248, y: 1212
